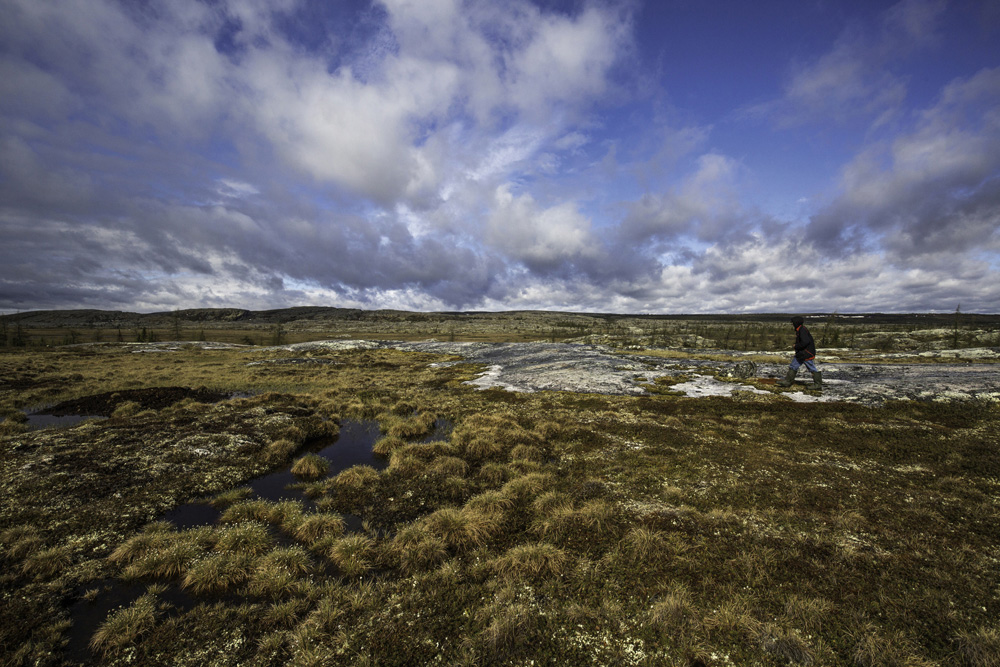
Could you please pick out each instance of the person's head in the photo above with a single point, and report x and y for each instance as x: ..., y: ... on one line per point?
x: 797, y: 321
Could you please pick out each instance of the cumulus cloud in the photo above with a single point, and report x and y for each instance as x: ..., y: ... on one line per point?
x: 933, y: 189
x: 543, y: 239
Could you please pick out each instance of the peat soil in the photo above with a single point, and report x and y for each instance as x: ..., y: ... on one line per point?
x: 155, y: 398
x: 573, y: 367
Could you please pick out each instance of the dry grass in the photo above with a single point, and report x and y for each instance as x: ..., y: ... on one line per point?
x: 218, y: 573
x: 980, y: 648
x: 532, y: 561
x: 246, y: 538
x: 123, y: 627
x: 314, y: 527
x: 462, y: 528
x: 47, y: 563
x: 354, y: 555
x: 310, y: 466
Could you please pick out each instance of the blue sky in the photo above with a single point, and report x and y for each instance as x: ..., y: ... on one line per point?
x: 672, y: 156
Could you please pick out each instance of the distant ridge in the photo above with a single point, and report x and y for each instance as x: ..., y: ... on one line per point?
x: 227, y: 317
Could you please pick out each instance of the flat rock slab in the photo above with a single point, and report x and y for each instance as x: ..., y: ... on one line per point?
x: 528, y: 367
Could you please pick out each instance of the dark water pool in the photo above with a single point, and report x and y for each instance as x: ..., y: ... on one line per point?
x: 37, y: 420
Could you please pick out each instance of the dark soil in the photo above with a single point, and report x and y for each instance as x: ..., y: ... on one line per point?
x: 155, y: 398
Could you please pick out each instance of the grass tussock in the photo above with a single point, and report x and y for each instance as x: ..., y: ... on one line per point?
x: 462, y: 528
x: 47, y: 563
x: 675, y: 532
x: 526, y: 488
x: 410, y: 428
x: 386, y: 445
x: 218, y: 573
x: 20, y: 542
x: 416, y: 550
x: 317, y: 526
x: 672, y: 611
x: 532, y: 561
x: 449, y: 466
x: 247, y: 538
x: 280, y: 450
x: 595, y: 521
x: 123, y: 627
x: 225, y: 499
x: 310, y: 466
x: 353, y: 555
x: 482, y: 437
x: 169, y: 561
x: 493, y: 474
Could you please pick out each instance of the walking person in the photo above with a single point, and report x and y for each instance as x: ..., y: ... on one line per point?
x: 805, y: 354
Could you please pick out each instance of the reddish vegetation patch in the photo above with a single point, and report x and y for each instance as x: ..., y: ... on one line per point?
x: 767, y: 380
x: 155, y: 398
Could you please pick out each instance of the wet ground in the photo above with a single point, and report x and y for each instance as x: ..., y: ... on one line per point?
x: 528, y: 367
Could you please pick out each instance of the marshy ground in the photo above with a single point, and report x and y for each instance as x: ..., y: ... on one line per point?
x: 561, y: 525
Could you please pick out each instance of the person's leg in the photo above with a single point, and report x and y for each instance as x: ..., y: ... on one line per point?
x: 817, y: 376
x: 793, y: 368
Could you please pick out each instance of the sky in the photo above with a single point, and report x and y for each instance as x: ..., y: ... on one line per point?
x: 657, y: 156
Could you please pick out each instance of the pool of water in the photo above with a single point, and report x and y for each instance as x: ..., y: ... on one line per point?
x: 38, y: 420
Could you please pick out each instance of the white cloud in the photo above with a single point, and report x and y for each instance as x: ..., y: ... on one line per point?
x: 543, y: 239
x: 931, y: 190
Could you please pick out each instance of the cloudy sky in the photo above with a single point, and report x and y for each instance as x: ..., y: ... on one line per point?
x: 677, y: 156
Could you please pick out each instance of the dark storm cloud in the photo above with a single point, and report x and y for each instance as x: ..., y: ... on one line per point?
x: 932, y: 191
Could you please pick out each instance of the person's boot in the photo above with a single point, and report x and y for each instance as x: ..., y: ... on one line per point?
x: 789, y: 378
x: 818, y: 380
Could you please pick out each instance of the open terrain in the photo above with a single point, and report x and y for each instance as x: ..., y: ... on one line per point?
x: 545, y: 489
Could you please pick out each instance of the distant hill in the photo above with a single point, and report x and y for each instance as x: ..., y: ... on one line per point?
x: 238, y: 317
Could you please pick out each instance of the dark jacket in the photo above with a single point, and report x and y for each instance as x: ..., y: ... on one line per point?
x: 805, y: 346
